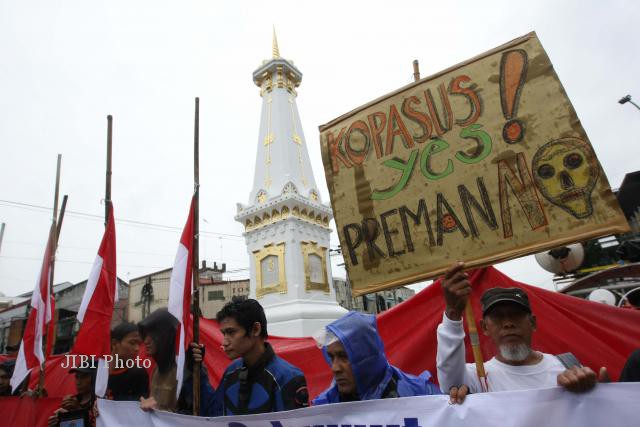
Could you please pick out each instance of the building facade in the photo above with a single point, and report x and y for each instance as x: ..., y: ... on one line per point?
x: 151, y: 291
x: 68, y: 297
x: 214, y: 294
x: 373, y: 303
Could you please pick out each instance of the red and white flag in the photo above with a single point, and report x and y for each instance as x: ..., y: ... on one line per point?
x: 180, y: 292
x: 96, y: 308
x: 39, y: 323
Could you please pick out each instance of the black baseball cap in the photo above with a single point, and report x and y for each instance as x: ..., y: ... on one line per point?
x: 494, y: 296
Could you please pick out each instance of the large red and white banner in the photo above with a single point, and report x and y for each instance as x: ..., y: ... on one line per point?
x: 599, y: 335
x: 606, y: 405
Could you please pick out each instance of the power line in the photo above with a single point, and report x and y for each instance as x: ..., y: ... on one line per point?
x: 83, y: 248
x: 69, y: 261
x: 128, y: 222
x: 237, y: 270
x: 123, y: 221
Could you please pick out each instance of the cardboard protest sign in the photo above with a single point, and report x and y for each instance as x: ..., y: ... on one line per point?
x: 482, y: 162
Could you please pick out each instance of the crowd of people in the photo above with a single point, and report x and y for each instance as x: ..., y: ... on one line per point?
x: 259, y: 381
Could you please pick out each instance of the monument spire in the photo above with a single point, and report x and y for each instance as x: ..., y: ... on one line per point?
x: 274, y: 45
x: 282, y: 159
x: 286, y: 224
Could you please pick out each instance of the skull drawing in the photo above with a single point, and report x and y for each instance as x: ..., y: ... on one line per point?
x: 566, y: 171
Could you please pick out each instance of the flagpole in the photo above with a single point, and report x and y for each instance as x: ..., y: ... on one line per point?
x: 52, y: 262
x: 196, y: 261
x: 107, y: 196
x: 63, y: 208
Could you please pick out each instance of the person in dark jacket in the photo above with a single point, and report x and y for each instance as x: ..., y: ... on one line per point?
x: 158, y: 332
x: 354, y: 351
x: 126, y: 383
x: 83, y: 401
x: 257, y: 381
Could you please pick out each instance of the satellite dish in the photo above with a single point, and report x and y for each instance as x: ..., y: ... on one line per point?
x: 562, y: 260
x: 603, y: 296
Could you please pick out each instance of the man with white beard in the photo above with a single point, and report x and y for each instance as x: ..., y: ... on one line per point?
x: 507, y: 319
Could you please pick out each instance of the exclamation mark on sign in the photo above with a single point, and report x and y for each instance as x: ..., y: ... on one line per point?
x: 513, y: 71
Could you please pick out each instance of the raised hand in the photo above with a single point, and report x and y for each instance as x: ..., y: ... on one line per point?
x: 456, y: 289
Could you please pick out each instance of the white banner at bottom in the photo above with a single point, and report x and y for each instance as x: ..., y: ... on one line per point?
x: 607, y: 405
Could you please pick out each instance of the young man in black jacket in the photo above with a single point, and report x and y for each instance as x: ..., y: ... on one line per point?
x: 257, y: 381
x: 127, y: 381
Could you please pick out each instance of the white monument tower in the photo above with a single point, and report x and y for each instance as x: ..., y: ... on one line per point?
x: 286, y: 224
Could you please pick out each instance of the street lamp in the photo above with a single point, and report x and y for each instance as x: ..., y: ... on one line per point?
x: 626, y: 99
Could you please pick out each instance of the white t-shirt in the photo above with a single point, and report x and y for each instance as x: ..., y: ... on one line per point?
x: 454, y: 371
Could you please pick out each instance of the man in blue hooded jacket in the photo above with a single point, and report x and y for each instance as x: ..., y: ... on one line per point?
x: 354, y: 351
x: 257, y: 381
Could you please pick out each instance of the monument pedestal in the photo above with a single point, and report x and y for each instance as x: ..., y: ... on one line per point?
x: 301, y: 318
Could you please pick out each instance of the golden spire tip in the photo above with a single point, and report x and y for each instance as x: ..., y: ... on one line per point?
x: 274, y: 47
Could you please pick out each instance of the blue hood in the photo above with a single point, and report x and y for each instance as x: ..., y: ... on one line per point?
x: 359, y: 336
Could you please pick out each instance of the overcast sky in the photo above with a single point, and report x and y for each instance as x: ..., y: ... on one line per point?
x: 65, y: 65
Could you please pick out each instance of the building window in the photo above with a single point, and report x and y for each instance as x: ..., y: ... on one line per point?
x: 215, y: 295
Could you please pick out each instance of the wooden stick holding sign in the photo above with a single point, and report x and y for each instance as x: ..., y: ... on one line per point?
x: 475, y: 344
x: 457, y: 291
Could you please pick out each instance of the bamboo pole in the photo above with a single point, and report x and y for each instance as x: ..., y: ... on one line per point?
x: 53, y: 244
x: 63, y: 208
x: 107, y: 193
x: 196, y: 261
x: 475, y: 344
